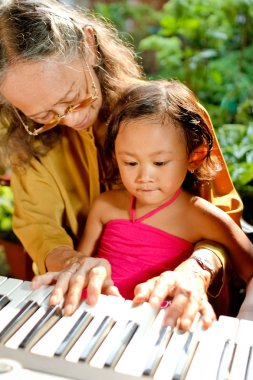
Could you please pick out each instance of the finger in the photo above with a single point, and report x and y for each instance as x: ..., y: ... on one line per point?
x: 208, y: 314
x: 44, y: 279
x: 60, y: 288
x: 73, y: 296
x: 143, y: 291
x: 96, y: 281
x: 177, y: 308
x: 112, y: 290
x: 164, y: 288
x: 62, y: 284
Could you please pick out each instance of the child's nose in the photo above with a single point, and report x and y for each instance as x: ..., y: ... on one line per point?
x: 145, y: 174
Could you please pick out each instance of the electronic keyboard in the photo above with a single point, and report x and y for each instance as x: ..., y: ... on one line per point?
x: 113, y: 341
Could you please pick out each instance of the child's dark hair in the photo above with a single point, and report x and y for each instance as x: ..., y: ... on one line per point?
x: 168, y: 101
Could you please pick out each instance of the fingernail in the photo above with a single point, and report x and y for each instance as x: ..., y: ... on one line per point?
x: 54, y: 300
x: 91, y: 300
x: 155, y: 301
x: 68, y: 309
x: 186, y: 323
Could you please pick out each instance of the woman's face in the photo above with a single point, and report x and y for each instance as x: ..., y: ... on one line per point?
x: 42, y: 90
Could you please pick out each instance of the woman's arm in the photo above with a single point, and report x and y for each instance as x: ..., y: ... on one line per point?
x: 189, y: 282
x: 52, y: 198
x: 82, y: 270
x: 246, y: 309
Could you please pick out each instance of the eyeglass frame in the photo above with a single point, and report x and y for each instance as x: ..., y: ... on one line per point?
x: 71, y: 108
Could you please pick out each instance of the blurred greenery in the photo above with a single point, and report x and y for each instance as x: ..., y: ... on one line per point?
x: 6, y: 212
x: 208, y: 46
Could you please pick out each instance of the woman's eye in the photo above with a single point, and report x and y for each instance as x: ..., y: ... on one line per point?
x: 45, y: 119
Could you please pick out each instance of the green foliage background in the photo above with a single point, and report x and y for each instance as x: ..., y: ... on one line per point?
x: 208, y: 46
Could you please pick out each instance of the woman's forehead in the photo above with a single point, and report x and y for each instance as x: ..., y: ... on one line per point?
x: 41, y: 82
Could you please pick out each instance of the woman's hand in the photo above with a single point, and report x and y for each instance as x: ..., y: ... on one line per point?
x: 186, y: 287
x: 80, y: 272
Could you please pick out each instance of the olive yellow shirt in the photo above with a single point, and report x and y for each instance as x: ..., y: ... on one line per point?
x: 52, y: 196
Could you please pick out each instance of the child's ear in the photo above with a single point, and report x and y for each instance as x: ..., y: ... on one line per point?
x: 197, y: 157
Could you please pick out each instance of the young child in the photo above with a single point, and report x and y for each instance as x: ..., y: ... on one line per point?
x: 159, y: 146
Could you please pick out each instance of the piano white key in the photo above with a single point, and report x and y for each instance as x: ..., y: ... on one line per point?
x: 132, y: 361
x: 2, y: 279
x: 244, y: 341
x: 171, y: 355
x: 120, y: 312
x: 8, y: 286
x: 40, y: 295
x: 48, y: 344
x: 19, y: 335
x: 249, y: 369
x: 189, y: 349
x: 158, y: 336
x: 16, y: 297
x: 49, y: 319
x: 20, y: 296
x: 207, y: 359
x: 99, y: 311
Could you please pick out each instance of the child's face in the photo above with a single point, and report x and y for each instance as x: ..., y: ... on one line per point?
x: 152, y: 159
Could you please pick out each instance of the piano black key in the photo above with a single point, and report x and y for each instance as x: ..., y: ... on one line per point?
x: 189, y: 349
x: 96, y: 340
x: 184, y: 358
x: 52, y: 315
x: 4, y: 300
x: 249, y: 367
x: 226, y: 360
x: 16, y: 322
x: 129, y: 331
x: 158, y: 350
x: 73, y: 335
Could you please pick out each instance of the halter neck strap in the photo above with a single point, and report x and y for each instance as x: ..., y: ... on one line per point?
x: 152, y: 212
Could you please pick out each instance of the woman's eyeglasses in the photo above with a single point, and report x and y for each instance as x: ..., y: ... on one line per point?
x: 71, y: 108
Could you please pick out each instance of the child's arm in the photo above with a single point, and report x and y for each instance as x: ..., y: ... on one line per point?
x: 214, y: 224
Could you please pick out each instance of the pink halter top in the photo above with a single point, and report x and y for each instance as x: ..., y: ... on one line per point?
x: 138, y: 252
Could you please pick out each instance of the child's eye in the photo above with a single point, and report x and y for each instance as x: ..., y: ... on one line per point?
x: 131, y: 163
x: 160, y: 163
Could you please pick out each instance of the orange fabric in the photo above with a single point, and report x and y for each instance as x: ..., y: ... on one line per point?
x: 221, y: 191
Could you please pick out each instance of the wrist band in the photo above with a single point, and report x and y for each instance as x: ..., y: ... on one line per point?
x: 205, y: 265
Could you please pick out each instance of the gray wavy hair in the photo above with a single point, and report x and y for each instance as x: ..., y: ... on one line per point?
x: 32, y: 30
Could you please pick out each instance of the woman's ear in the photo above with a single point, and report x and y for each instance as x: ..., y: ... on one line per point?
x: 90, y: 45
x: 197, y: 157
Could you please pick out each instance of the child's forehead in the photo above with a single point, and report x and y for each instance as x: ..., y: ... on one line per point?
x: 154, y: 121
x: 150, y: 131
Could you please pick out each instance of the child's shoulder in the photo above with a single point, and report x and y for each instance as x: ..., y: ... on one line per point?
x: 113, y: 197
x: 201, y: 207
